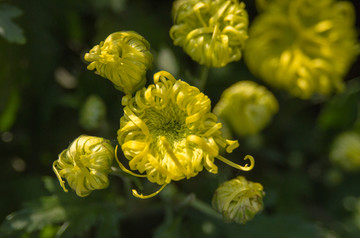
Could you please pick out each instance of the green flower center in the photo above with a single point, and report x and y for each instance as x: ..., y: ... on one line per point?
x: 168, y: 122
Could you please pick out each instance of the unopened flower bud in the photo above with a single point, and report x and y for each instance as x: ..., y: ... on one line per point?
x: 247, y: 107
x: 345, y: 151
x: 85, y: 165
x: 238, y: 199
x: 123, y: 58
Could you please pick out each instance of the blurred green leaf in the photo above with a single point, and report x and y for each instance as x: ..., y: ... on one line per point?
x: 8, y: 115
x: 93, y: 113
x: 276, y: 226
x: 166, y: 61
x: 342, y: 110
x: 34, y: 216
x: 8, y: 29
x: 171, y: 226
x: 115, y: 5
x: 80, y: 213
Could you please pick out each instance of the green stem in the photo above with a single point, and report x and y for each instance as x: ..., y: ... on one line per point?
x: 191, y: 200
x: 204, y: 72
x: 205, y: 208
x: 62, y: 229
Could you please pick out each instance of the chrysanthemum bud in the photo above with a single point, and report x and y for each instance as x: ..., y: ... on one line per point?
x: 305, y: 47
x: 247, y: 107
x: 238, y: 200
x: 211, y: 32
x: 168, y: 132
x: 85, y: 164
x: 345, y: 151
x: 123, y: 58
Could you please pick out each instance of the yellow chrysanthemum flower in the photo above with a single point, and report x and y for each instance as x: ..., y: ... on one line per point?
x: 85, y: 164
x: 345, y: 151
x: 247, y: 107
x: 211, y: 32
x: 123, y: 58
x: 169, y: 133
x: 238, y: 200
x: 303, y: 46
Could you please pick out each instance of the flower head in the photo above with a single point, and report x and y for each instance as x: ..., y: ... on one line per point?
x: 238, y: 199
x: 169, y: 133
x: 85, y: 164
x: 123, y: 58
x: 211, y: 32
x: 345, y: 151
x: 303, y: 46
x: 247, y: 107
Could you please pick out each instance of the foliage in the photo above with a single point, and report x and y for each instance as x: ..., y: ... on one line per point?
x: 70, y: 214
x: 8, y: 29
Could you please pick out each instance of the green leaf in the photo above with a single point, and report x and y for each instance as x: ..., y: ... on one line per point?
x: 342, y: 110
x: 8, y: 29
x: 35, y: 216
x: 8, y: 115
x: 115, y: 5
x: 171, y: 226
x: 79, y: 214
x: 93, y: 113
x: 286, y: 226
x: 109, y: 223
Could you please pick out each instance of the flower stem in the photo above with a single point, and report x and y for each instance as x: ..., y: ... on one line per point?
x: 204, y: 72
x: 205, y: 208
x: 191, y: 200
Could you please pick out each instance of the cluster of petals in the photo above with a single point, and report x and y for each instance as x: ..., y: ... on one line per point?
x: 211, y: 32
x: 169, y: 133
x: 85, y: 165
x: 239, y: 200
x: 303, y: 46
x: 123, y: 58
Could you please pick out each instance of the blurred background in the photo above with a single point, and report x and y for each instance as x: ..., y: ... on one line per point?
x: 48, y: 98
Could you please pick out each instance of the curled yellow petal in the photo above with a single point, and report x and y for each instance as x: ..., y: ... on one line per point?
x: 61, y: 181
x: 136, y: 194
x: 236, y: 166
x: 123, y: 168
